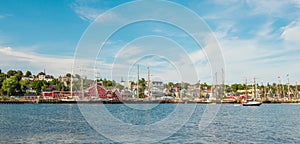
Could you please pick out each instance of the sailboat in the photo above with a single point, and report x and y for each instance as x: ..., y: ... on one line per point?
x: 252, y: 101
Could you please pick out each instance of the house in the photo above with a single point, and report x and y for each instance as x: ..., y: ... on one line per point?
x: 30, y: 78
x: 102, y: 93
x: 31, y: 97
x: 58, y: 94
x: 43, y: 76
x: 156, y: 89
x: 126, y: 94
x: 193, y: 91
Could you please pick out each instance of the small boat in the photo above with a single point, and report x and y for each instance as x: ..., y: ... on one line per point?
x: 252, y: 103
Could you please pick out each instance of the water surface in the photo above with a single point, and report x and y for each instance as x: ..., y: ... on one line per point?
x: 58, y: 123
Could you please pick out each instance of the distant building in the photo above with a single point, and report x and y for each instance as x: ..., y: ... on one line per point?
x: 58, y: 94
x: 102, y: 93
x: 156, y: 89
x: 30, y: 78
x: 43, y: 76
x: 122, y: 82
x: 126, y: 94
x: 31, y: 97
x: 193, y: 91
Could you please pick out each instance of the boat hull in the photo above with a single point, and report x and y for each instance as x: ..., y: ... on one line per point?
x: 251, y: 104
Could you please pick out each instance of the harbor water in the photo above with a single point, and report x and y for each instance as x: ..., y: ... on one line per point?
x: 64, y: 123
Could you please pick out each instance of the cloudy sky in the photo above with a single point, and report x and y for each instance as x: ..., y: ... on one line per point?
x: 257, y: 39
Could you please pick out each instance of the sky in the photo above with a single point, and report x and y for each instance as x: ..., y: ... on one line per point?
x: 258, y: 39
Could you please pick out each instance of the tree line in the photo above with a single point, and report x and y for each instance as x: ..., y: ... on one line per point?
x: 12, y: 84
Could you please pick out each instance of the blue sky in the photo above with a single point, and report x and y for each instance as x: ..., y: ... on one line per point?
x: 257, y: 38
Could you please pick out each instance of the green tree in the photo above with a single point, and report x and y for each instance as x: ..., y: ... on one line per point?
x: 227, y: 88
x: 68, y: 75
x: 108, y: 83
x: 24, y: 84
x: 28, y: 74
x: 11, y: 73
x: 59, y: 86
x: 132, y: 82
x: 142, y: 86
x: 54, y: 82
x: 184, y: 85
x: 19, y: 75
x: 39, y: 85
x: 10, y: 85
x: 171, y: 84
x: 234, y: 87
x: 2, y: 78
x: 119, y: 86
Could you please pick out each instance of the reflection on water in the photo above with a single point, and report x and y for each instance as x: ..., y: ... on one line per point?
x: 32, y: 123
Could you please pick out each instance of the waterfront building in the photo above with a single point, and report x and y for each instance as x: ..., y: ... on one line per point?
x: 156, y: 89
x: 102, y: 93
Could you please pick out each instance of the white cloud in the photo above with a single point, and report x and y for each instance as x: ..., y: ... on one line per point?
x: 291, y: 33
x: 26, y: 60
x: 86, y: 12
x: 4, y: 16
x: 267, y: 7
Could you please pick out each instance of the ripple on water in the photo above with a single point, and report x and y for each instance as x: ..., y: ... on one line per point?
x: 64, y: 124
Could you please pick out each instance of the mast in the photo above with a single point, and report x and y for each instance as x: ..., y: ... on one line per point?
x: 269, y: 91
x: 255, y: 87
x: 288, y: 90
x: 223, y: 84
x: 278, y: 88
x: 96, y: 85
x: 81, y: 82
x: 148, y: 82
x: 71, y: 89
x: 246, y: 89
x: 216, y: 91
x: 200, y: 89
x: 137, y: 83
x: 296, y: 91
x: 264, y: 91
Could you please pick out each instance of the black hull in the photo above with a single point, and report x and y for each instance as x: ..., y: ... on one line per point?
x: 252, y: 104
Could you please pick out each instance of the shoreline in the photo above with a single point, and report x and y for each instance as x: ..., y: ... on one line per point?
x: 130, y: 102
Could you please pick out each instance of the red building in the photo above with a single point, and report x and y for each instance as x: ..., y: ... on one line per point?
x: 57, y: 94
x: 30, y: 98
x: 102, y: 93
